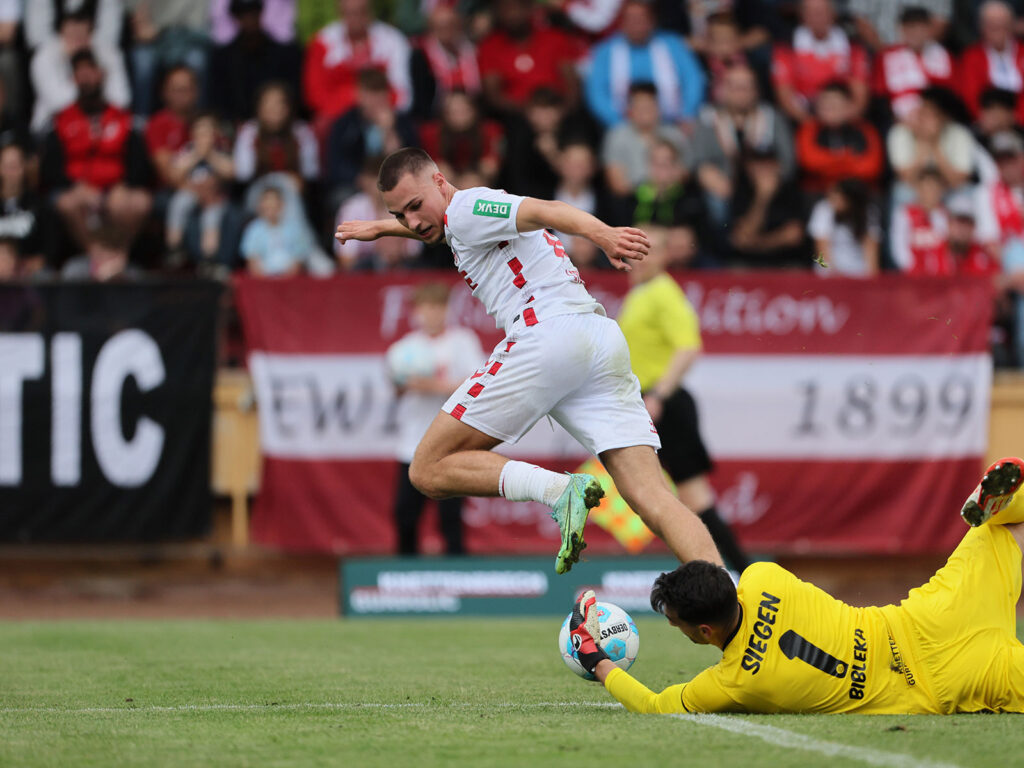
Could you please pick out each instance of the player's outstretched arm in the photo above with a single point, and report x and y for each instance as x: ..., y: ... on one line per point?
x: 372, y: 230
x: 620, y: 244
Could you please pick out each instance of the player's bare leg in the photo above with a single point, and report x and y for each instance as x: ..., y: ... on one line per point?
x: 637, y: 475
x: 455, y: 459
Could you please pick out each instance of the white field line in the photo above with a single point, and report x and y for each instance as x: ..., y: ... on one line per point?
x: 780, y: 737
x: 776, y: 736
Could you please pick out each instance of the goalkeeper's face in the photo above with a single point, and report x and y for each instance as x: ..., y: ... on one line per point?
x: 419, y: 203
x: 698, y: 633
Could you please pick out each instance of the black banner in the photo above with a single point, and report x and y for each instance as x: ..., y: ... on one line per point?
x: 105, y: 408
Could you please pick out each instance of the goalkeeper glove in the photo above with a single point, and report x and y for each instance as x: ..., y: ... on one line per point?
x: 584, y: 631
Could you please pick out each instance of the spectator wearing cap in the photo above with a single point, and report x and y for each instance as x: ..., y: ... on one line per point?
x: 444, y: 60
x: 819, y: 52
x: 765, y: 228
x: 920, y: 228
x: 167, y: 130
x: 835, y: 144
x: 997, y: 113
x: 341, y: 50
x: 996, y: 60
x: 372, y: 127
x: 94, y: 163
x: 164, y: 35
x: 522, y: 54
x: 51, y: 68
x: 641, y: 53
x: 238, y: 69
x: 739, y: 122
x: 969, y: 256
x: 917, y: 61
x: 879, y: 22
x: 929, y: 138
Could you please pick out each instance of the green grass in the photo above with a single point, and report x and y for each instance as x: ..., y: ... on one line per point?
x: 472, y: 692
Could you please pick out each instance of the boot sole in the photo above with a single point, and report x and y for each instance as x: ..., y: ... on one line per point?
x: 1001, y: 480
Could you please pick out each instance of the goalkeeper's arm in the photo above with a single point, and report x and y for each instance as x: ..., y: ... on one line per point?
x: 637, y: 697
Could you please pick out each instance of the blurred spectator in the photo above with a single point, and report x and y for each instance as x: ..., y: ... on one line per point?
x: 105, y: 258
x: 521, y: 55
x: 918, y: 60
x: 920, y: 228
x: 695, y: 20
x: 836, y: 144
x: 995, y: 60
x: 276, y: 142
x: 642, y: 54
x: 272, y: 245
x: 13, y: 125
x: 20, y: 220
x: 370, y: 128
x: 167, y: 130
x: 341, y: 51
x: 930, y: 139
x: 627, y: 147
x: 577, y: 167
x: 238, y: 69
x: 164, y: 35
x: 10, y: 265
x: 740, y: 122
x: 845, y: 229
x: 44, y: 17
x: 1000, y: 204
x: 721, y: 50
x: 533, y: 139
x: 12, y: 68
x: 766, y: 230
x: 671, y: 197
x: 819, y: 52
x: 444, y: 61
x: 200, y: 171
x: 51, y: 68
x: 595, y: 18
x: 93, y: 161
x: 969, y: 256
x: 366, y: 205
x: 878, y: 22
x: 462, y: 142
x: 277, y: 19
x: 997, y: 114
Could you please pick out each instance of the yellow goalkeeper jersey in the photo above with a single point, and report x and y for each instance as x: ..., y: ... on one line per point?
x: 797, y: 649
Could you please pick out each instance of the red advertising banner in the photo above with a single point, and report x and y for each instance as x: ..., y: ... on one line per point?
x: 842, y: 415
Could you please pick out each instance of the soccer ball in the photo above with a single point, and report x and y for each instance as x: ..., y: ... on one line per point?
x: 410, y: 356
x: 620, y: 639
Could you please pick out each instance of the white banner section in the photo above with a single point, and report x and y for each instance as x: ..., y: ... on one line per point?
x: 751, y: 407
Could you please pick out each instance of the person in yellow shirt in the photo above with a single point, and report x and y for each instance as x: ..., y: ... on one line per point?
x: 787, y: 646
x: 663, y: 334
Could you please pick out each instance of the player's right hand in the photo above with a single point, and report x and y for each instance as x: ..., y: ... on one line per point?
x: 624, y: 244
x: 357, y: 230
x: 584, y: 631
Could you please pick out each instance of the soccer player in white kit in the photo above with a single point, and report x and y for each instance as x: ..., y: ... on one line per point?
x: 561, y: 357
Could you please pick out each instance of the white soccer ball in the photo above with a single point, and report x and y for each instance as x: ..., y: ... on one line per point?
x: 620, y: 639
x: 409, y: 357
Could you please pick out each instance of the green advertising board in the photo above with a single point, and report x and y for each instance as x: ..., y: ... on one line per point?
x: 488, y: 586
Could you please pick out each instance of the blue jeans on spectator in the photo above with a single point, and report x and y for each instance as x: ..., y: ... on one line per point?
x: 150, y: 60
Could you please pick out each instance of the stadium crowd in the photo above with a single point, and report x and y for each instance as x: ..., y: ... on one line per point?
x: 844, y: 136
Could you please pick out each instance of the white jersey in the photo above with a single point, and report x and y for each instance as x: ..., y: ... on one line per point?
x: 513, y: 273
x: 456, y: 354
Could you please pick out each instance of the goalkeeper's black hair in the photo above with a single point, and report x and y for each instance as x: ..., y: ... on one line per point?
x: 698, y: 592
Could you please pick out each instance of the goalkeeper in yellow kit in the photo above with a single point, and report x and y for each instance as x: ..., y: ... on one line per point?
x: 787, y: 646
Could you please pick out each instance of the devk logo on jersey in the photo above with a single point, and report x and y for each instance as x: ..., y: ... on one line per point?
x: 489, y: 208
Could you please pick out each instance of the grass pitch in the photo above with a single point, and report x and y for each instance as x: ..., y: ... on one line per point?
x: 396, y: 692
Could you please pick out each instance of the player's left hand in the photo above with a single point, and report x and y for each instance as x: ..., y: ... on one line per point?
x: 624, y: 244
x: 366, y: 231
x: 584, y: 631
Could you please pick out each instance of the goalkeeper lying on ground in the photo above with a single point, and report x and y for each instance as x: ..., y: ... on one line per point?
x: 788, y: 646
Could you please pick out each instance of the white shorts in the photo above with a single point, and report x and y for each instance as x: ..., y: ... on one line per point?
x: 574, y: 368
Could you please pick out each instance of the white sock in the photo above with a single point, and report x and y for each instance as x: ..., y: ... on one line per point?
x: 528, y: 482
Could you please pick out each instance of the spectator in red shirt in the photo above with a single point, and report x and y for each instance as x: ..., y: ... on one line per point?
x: 93, y: 160
x: 819, y: 52
x: 995, y: 60
x: 521, y: 55
x: 836, y: 144
x: 902, y: 71
x: 918, y: 235
x: 339, y: 51
x: 969, y: 256
x: 167, y: 130
x: 444, y: 61
x: 468, y: 149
